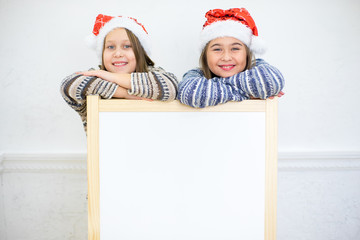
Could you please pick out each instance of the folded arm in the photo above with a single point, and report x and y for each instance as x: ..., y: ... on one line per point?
x: 261, y: 81
x: 76, y: 87
x: 197, y: 91
x: 155, y: 84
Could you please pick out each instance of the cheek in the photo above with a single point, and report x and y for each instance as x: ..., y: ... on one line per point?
x: 106, y: 59
x: 132, y: 61
x: 242, y: 59
x: 131, y: 56
x: 211, y: 60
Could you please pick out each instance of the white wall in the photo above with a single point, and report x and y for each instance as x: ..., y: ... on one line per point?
x: 321, y: 204
x: 43, y: 198
x: 313, y: 43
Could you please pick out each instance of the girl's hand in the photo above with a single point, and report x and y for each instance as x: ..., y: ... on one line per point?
x: 123, y: 93
x: 121, y: 79
x: 138, y: 98
x: 281, y: 93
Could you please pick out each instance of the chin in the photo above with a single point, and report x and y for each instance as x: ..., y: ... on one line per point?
x: 227, y: 75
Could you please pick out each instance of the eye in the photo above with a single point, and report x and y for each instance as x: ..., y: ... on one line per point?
x: 235, y: 49
x: 110, y: 47
x: 127, y: 46
x: 216, y: 49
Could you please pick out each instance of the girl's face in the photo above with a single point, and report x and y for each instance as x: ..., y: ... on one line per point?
x: 118, y: 55
x: 226, y: 56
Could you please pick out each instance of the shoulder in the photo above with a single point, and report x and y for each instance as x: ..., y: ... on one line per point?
x: 196, y: 72
x: 160, y: 73
x: 259, y: 62
x: 160, y: 70
x: 156, y: 69
x: 261, y: 65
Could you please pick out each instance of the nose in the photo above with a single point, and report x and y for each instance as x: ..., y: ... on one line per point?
x: 226, y: 56
x: 118, y: 53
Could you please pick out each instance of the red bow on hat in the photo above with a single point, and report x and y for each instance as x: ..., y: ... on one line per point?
x: 233, y: 14
x: 102, y: 19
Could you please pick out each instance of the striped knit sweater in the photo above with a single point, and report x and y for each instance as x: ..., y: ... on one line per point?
x: 261, y: 81
x: 155, y: 84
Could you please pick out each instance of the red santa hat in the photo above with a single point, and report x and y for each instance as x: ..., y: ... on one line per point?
x: 234, y: 22
x: 105, y: 24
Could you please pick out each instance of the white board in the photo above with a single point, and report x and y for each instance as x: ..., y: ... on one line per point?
x: 188, y: 175
x: 161, y: 170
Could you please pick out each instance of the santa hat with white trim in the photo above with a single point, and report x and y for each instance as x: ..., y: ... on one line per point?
x: 105, y: 24
x: 234, y: 22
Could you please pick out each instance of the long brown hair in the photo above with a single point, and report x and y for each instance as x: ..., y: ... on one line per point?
x: 250, y: 61
x: 143, y: 61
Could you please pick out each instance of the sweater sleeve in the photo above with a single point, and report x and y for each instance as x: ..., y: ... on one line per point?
x: 76, y: 87
x: 261, y: 81
x: 197, y: 91
x: 155, y: 84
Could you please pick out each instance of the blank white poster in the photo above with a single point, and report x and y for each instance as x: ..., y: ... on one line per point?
x: 182, y: 175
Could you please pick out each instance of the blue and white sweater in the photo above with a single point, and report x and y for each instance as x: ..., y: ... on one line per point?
x: 261, y: 81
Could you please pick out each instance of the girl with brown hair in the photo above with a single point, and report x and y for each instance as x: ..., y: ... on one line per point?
x: 228, y: 68
x: 126, y: 70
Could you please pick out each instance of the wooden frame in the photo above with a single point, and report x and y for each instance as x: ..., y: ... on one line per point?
x: 96, y: 105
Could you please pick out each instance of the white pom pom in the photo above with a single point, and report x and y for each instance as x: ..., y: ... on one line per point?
x: 91, y: 41
x: 258, y: 46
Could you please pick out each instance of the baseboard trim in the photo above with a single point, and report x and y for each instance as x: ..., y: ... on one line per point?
x: 76, y: 162
x: 43, y: 162
x: 297, y: 161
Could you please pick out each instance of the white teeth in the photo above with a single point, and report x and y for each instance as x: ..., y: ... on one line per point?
x: 119, y: 64
x: 227, y: 67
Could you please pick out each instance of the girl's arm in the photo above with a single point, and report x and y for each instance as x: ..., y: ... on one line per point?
x: 76, y: 87
x: 155, y: 84
x: 197, y: 91
x: 261, y: 81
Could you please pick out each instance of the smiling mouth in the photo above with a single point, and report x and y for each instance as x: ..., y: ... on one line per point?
x: 119, y: 64
x: 226, y: 67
